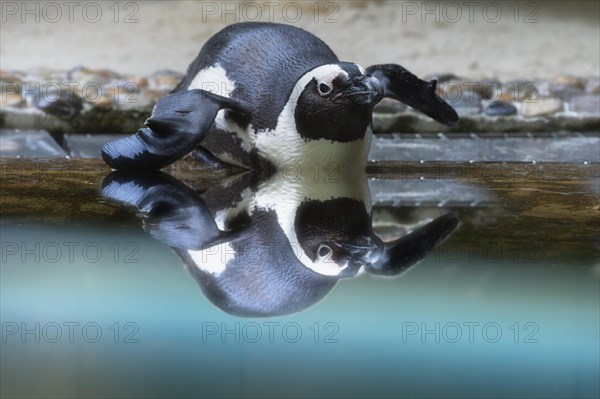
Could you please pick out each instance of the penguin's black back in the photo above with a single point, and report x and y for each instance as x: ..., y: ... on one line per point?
x: 265, y: 60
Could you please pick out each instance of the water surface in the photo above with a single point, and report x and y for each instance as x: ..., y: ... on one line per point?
x: 508, y: 306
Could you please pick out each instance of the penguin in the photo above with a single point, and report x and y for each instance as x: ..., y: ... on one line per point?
x: 258, y: 255
x: 264, y: 95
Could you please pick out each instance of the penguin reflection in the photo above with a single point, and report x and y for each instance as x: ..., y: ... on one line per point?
x: 273, y: 246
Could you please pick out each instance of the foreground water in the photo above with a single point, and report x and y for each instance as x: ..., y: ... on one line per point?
x: 507, y: 306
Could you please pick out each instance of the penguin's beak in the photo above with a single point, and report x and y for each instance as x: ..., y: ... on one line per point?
x: 365, y: 250
x: 365, y: 90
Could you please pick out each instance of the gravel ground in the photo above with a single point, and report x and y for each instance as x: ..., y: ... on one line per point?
x: 543, y: 39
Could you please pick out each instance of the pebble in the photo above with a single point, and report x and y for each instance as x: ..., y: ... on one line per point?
x: 10, y: 89
x: 568, y: 80
x: 77, y: 72
x: 500, y: 108
x: 91, y: 83
x: 564, y: 92
x: 165, y: 79
x: 133, y: 101
x: 80, y: 72
x: 588, y: 104
x: 488, y: 89
x: 389, y: 106
x: 593, y: 86
x: 166, y: 82
x: 86, y: 77
x: 450, y: 86
x: 140, y: 81
x: 120, y: 87
x: 60, y: 103
x: 10, y: 83
x: 11, y: 99
x: 506, y: 97
x: 42, y: 75
x: 11, y: 76
x: 519, y: 91
x: 125, y: 95
x: 449, y: 89
x: 542, y: 106
x: 485, y: 89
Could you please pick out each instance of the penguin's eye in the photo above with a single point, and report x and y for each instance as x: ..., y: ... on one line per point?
x: 324, y: 89
x: 324, y: 251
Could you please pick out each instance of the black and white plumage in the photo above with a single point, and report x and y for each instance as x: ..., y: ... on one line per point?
x: 273, y: 98
x: 264, y: 93
x: 254, y: 254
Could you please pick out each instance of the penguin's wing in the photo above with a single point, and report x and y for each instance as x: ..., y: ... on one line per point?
x: 178, y: 123
x: 404, y: 86
x: 172, y: 212
x: 401, y: 254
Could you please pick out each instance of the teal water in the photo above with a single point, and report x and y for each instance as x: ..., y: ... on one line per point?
x: 103, y: 310
x: 475, y: 329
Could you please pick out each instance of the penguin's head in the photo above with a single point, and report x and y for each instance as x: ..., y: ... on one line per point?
x: 335, y: 102
x: 336, y: 236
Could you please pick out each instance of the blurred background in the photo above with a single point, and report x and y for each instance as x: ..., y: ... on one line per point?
x: 522, y: 177
x: 493, y: 39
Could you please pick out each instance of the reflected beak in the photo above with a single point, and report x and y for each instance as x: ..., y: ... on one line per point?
x: 365, y: 90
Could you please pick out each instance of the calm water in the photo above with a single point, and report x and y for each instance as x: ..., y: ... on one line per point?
x: 507, y: 306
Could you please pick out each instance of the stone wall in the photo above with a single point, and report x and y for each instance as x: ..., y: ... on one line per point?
x: 83, y: 100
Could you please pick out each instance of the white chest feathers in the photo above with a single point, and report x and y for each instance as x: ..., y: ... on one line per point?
x: 283, y: 146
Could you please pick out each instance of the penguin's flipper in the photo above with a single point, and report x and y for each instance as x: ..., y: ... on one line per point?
x: 172, y: 212
x: 401, y: 254
x: 404, y: 86
x: 178, y: 123
x: 202, y: 155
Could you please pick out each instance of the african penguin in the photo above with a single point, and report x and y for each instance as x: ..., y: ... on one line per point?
x: 271, y: 94
x: 256, y: 253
